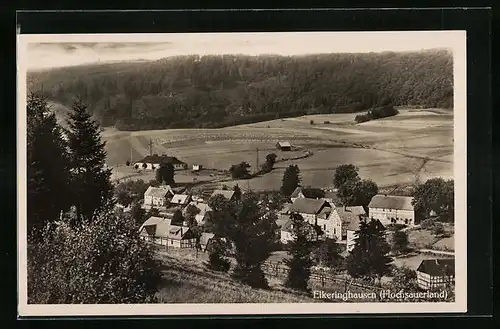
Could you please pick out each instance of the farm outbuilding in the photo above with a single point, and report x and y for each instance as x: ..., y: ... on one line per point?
x: 197, y: 167
x: 284, y: 146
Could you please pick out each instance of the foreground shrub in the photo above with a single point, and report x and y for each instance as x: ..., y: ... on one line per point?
x: 101, y: 262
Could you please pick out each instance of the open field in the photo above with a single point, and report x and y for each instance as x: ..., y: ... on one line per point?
x: 415, y: 144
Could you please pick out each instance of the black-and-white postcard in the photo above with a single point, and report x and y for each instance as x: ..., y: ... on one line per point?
x: 242, y: 173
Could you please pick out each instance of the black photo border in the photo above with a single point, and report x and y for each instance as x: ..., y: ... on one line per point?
x: 476, y: 21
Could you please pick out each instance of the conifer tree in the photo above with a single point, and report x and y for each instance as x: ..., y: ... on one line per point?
x: 47, y: 165
x: 291, y: 180
x: 165, y: 173
x: 300, y: 251
x: 369, y: 257
x: 91, y: 187
x: 237, y: 193
x: 250, y: 229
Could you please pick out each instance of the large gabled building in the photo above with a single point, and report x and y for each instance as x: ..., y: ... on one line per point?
x: 152, y: 162
x: 392, y: 209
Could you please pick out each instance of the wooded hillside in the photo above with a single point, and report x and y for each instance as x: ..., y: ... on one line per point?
x: 216, y: 91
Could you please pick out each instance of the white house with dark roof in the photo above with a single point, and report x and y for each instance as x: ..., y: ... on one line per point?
x: 436, y: 273
x: 344, y: 218
x: 151, y: 162
x: 158, y: 196
x: 392, y: 209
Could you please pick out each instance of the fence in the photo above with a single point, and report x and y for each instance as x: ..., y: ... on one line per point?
x: 278, y: 269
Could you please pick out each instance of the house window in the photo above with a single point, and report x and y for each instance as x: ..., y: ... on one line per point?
x: 393, y: 220
x: 324, y: 226
x: 406, y: 220
x: 334, y: 231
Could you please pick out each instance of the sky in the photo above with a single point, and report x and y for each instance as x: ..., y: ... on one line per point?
x: 50, y: 51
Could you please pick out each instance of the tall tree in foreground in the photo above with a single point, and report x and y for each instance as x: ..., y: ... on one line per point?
x: 328, y: 254
x: 250, y: 229
x: 299, y: 265
x: 369, y: 257
x: 291, y: 179
x: 98, y: 262
x: 47, y: 165
x: 91, y: 187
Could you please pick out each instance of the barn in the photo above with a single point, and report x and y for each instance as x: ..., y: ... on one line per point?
x: 284, y: 146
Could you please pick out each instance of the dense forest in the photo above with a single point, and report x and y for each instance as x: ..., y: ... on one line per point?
x: 216, y: 91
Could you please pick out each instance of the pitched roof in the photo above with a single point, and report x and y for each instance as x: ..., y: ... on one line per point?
x: 180, y: 198
x: 205, y: 237
x: 350, y: 217
x: 160, y: 192
x: 308, y: 206
x: 284, y: 144
x: 296, y: 192
x: 285, y: 208
x: 156, y: 226
x: 282, y: 219
x: 204, y: 208
x: 156, y: 159
x: 161, y: 227
x: 391, y: 202
x: 438, y: 267
x: 225, y: 193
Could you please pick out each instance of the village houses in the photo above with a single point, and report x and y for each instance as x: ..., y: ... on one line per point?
x: 158, y: 196
x: 204, y: 208
x: 392, y: 209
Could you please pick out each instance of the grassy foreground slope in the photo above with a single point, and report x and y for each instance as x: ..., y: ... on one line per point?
x: 186, y: 281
